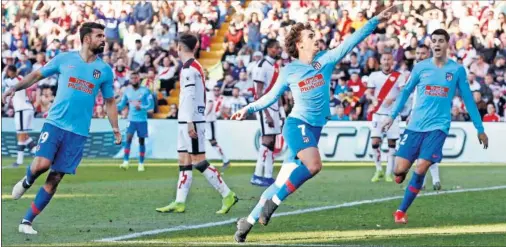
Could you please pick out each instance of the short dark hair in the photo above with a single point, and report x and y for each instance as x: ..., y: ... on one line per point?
x: 189, y: 40
x: 441, y: 32
x: 134, y: 73
x: 12, y: 68
x: 87, y: 28
x: 269, y: 44
x: 422, y: 46
x: 138, y: 41
x: 294, y: 36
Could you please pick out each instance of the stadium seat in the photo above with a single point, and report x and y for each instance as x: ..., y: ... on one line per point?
x: 164, y: 109
x: 160, y: 115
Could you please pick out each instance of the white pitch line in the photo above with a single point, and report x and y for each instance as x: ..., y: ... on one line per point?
x: 296, y: 212
x: 132, y: 242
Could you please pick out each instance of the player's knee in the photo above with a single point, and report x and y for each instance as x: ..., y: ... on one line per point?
x: 40, y: 164
x: 314, y: 167
x: 391, y: 144
x: 141, y: 141
x: 53, y: 179
x: 375, y: 145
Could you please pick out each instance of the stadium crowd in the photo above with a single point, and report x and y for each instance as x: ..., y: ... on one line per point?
x: 141, y: 37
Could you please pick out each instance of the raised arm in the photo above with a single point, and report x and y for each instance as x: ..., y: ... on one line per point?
x: 337, y: 54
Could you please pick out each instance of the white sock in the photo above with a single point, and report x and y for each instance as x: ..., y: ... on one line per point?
x: 183, y: 185
x: 21, y: 154
x: 376, y: 155
x: 434, y: 171
x: 276, y: 200
x: 262, y: 156
x: 220, y: 151
x: 269, y: 164
x: 214, y: 178
x: 390, y: 161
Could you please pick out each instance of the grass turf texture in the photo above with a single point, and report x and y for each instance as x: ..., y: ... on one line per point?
x: 103, y: 201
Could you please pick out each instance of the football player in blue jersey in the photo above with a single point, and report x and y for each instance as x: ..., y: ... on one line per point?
x: 308, y: 78
x: 82, y: 74
x: 140, y: 102
x: 436, y: 80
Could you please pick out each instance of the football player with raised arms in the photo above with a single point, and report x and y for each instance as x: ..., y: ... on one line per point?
x: 308, y: 77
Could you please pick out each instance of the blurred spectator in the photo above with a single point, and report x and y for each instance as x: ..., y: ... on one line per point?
x: 356, y: 85
x: 143, y: 15
x: 253, y: 32
x: 499, y: 103
x: 230, y: 53
x: 166, y: 71
x: 498, y: 69
x: 136, y: 56
x: 491, y: 115
x: 234, y: 103
x: 482, y: 106
x: 457, y: 114
x: 479, y: 67
x: 339, y: 114
x: 24, y: 65
x: 473, y: 83
x: 173, y: 112
x: 341, y: 87
x: 228, y: 85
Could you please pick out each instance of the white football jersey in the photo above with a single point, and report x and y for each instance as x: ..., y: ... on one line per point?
x: 192, y: 96
x: 377, y: 81
x: 210, y: 107
x: 20, y: 100
x: 267, y: 72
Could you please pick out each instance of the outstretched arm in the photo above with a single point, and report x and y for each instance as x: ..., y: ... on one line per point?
x: 337, y: 54
x: 270, y: 98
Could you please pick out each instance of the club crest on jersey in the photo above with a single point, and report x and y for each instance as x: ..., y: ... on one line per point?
x: 96, y: 74
x: 317, y: 65
x: 449, y: 76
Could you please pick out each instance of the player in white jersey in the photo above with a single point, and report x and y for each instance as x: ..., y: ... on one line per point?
x: 191, y: 131
x: 422, y: 53
x: 23, y: 114
x: 265, y: 75
x: 211, y: 124
x: 385, y: 84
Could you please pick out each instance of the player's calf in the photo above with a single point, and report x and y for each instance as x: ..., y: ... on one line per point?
x: 39, y: 166
x: 41, y: 200
x: 401, y: 169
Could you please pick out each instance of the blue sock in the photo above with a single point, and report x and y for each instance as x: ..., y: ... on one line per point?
x: 298, y: 176
x: 41, y: 200
x: 268, y: 194
x: 411, y: 191
x: 127, y: 150
x: 142, y: 151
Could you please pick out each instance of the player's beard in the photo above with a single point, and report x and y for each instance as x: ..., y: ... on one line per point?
x: 99, y: 49
x: 135, y: 85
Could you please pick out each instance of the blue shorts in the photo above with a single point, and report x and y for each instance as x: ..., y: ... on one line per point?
x: 299, y: 135
x: 63, y: 148
x: 140, y: 127
x: 422, y: 145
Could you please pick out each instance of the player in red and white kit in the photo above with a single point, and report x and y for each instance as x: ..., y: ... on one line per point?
x: 23, y: 114
x: 385, y: 84
x: 210, y: 117
x: 265, y: 75
x: 191, y: 131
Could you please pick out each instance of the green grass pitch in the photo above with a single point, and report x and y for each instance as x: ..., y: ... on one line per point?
x: 102, y: 201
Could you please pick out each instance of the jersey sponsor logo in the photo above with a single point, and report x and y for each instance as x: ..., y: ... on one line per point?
x: 201, y: 109
x: 311, y: 83
x: 437, y: 91
x: 317, y: 65
x: 81, y: 85
x: 449, y: 76
x: 96, y: 74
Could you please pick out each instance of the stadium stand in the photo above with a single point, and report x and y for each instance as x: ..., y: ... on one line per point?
x: 141, y: 36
